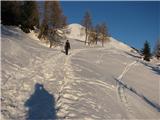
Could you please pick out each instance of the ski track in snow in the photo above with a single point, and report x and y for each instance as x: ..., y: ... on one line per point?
x: 100, y: 59
x: 121, y: 90
x: 122, y: 95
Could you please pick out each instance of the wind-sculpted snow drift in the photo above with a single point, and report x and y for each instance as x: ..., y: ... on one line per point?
x: 89, y: 83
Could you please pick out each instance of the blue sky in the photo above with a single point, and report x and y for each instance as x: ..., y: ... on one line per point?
x: 130, y: 22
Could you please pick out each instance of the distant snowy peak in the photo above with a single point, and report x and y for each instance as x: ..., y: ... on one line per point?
x: 77, y: 31
x: 75, y: 25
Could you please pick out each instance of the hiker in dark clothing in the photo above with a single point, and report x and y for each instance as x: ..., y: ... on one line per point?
x: 67, y: 47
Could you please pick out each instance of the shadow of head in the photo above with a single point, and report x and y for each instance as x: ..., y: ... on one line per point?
x: 41, y: 104
x: 39, y: 86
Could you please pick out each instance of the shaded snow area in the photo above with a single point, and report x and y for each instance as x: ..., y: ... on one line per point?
x: 90, y: 83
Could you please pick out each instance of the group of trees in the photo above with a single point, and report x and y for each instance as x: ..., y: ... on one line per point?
x: 53, y: 20
x: 25, y: 14
x: 93, y: 34
x: 147, y: 52
x: 20, y: 13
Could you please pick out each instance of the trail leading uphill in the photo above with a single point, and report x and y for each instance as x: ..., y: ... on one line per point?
x: 82, y: 85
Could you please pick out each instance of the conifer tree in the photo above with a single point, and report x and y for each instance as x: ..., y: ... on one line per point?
x: 10, y: 12
x: 146, y: 51
x: 29, y: 16
x: 56, y: 15
x: 45, y: 23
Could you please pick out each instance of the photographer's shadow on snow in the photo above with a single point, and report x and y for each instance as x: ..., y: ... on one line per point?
x: 41, y: 104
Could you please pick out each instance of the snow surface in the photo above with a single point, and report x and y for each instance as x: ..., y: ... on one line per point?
x: 90, y: 83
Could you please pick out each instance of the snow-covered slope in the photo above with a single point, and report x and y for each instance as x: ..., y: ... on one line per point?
x: 117, y: 44
x: 77, y: 31
x: 90, y: 83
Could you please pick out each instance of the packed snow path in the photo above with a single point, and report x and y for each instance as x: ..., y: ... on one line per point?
x: 43, y: 83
